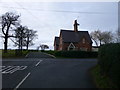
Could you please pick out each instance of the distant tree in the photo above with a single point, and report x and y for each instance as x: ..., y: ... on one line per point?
x: 101, y: 37
x: 20, y: 35
x: 117, y: 35
x: 38, y: 48
x: 43, y: 47
x: 30, y: 36
x: 93, y: 37
x: 8, y: 20
x: 107, y: 37
x: 24, y: 37
x: 97, y: 37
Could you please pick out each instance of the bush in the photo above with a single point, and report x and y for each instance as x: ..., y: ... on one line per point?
x: 73, y: 54
x: 109, y: 61
x: 100, y: 81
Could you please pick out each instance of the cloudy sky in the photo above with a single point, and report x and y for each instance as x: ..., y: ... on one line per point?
x: 47, y: 18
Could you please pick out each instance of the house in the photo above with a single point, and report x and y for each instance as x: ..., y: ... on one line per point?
x: 73, y: 40
x: 56, y: 43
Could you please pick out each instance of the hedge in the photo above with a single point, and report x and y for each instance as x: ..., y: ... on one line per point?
x: 109, y: 61
x: 73, y: 54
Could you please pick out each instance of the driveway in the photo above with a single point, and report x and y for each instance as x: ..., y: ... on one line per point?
x: 47, y: 73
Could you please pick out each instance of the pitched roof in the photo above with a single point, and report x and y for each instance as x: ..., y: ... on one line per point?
x: 72, y: 36
x: 56, y: 40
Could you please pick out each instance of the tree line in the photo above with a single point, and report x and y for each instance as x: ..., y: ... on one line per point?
x: 21, y: 36
x: 104, y: 37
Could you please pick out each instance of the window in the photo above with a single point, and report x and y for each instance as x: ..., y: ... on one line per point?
x: 83, y: 40
x: 71, y: 46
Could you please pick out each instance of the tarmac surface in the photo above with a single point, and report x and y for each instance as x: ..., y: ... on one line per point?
x: 36, y: 72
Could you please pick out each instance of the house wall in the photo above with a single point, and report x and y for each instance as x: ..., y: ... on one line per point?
x: 78, y: 46
x: 86, y: 45
x: 65, y: 46
x: 61, y: 43
x: 56, y: 47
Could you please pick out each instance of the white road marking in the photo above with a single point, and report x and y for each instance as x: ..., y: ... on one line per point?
x: 15, y: 69
x: 23, y: 67
x: 11, y: 69
x: 38, y: 63
x: 22, y: 81
x: 5, y: 68
x: 1, y: 68
x: 19, y: 68
x: 6, y: 71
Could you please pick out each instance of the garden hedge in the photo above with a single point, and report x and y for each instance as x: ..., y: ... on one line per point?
x: 109, y: 61
x: 73, y: 54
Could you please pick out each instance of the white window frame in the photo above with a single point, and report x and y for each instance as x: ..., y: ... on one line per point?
x: 71, y: 45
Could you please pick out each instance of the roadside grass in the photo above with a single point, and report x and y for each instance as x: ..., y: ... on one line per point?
x: 12, y: 54
x: 0, y: 52
x: 101, y: 81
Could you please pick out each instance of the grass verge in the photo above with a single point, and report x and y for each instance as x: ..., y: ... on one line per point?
x: 101, y: 81
x: 12, y: 54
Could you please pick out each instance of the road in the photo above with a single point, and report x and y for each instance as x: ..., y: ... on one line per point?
x: 47, y: 73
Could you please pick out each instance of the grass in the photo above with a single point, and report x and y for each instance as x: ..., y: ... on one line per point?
x: 12, y: 54
x: 101, y: 81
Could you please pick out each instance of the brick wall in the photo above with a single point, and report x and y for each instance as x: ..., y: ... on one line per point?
x: 78, y: 46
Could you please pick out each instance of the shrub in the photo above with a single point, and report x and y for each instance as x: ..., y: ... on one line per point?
x: 73, y: 54
x: 109, y: 61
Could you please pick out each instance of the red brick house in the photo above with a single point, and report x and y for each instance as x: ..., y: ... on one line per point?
x: 73, y: 40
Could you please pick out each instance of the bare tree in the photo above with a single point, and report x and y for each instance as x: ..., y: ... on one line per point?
x: 97, y: 37
x: 93, y: 37
x: 8, y: 20
x: 43, y: 47
x: 30, y: 36
x: 101, y: 37
x: 24, y: 37
x: 107, y: 37
x: 20, y: 35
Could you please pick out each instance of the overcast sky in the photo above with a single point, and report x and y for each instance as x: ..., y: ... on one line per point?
x: 47, y: 18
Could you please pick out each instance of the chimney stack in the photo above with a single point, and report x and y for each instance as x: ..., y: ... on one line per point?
x: 76, y: 26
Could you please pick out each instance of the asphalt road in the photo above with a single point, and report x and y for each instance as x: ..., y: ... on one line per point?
x: 47, y: 73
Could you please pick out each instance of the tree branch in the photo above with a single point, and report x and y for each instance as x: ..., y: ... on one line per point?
x: 3, y: 30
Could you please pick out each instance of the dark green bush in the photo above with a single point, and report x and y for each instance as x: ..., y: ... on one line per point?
x: 73, y: 54
x: 109, y: 61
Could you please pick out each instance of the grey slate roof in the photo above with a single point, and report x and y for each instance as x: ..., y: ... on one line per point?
x: 72, y: 36
x: 57, y: 40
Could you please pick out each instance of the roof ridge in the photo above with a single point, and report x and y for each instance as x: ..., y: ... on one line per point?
x: 71, y: 30
x: 65, y: 30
